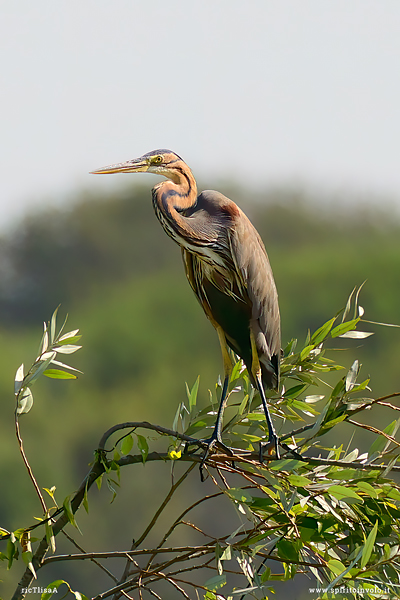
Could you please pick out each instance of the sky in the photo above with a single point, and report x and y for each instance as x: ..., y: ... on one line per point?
x: 265, y: 92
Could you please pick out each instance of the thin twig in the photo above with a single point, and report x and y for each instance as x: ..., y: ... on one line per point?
x: 374, y: 430
x: 163, y: 505
x: 102, y: 567
x: 27, y: 465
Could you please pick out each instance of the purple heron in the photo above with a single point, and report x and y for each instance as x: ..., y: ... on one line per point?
x: 228, y: 269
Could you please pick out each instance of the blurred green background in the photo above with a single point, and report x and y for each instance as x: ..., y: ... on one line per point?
x: 120, y: 278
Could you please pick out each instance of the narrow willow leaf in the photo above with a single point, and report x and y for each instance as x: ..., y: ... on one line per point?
x: 45, y: 341
x: 67, y: 348
x: 69, y: 513
x: 313, y: 398
x: 19, y: 378
x: 53, y: 325
x: 321, y: 333
x: 348, y: 305
x: 27, y: 558
x: 60, y: 364
x: 356, y: 335
x: 39, y: 367
x: 306, y: 352
x: 381, y: 442
x: 344, y: 327
x: 25, y: 402
x: 51, y: 540
x: 352, y: 375
x: 177, y: 415
x: 295, y: 391
x: 192, y: 394
x: 357, y: 297
x: 369, y: 545
x: 67, y: 336
x: 57, y: 374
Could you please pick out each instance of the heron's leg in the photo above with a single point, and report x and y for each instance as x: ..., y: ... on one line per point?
x: 256, y: 372
x: 227, y: 374
x: 216, y: 434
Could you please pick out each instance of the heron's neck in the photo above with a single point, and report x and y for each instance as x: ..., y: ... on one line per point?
x: 178, y: 192
x: 171, y: 198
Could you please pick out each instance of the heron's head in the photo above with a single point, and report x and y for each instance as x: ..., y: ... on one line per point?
x: 160, y: 162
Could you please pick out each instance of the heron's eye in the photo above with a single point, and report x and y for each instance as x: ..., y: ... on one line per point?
x: 157, y: 160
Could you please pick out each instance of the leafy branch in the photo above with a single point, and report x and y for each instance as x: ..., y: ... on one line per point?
x: 320, y: 510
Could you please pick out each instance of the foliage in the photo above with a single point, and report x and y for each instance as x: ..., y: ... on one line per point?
x: 325, y: 511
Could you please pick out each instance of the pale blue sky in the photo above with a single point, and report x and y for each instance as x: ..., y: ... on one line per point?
x: 264, y: 91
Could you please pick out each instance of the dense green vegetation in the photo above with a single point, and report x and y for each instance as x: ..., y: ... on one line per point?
x: 120, y: 279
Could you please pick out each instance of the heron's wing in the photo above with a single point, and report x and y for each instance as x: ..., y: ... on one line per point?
x: 252, y: 265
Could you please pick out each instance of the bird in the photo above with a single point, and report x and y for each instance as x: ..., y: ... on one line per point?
x: 228, y: 269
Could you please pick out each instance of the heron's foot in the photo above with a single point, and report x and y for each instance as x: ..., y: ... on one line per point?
x: 270, y: 446
x: 214, y: 440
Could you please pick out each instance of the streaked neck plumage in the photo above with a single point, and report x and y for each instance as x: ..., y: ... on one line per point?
x: 172, y: 197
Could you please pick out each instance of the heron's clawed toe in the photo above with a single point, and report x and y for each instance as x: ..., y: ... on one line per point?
x: 213, y: 441
x: 269, y: 447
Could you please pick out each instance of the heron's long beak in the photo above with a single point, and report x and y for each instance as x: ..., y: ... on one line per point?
x: 137, y: 165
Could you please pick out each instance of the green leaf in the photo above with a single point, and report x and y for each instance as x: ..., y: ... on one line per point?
x: 69, y: 337
x: 305, y: 352
x: 54, y: 585
x: 68, y: 511
x: 344, y: 327
x: 25, y: 402
x: 320, y: 334
x: 10, y: 551
x: 367, y: 488
x: 299, y: 480
x: 336, y: 566
x: 57, y: 374
x: 295, y: 391
x: 39, y: 367
x: 51, y: 540
x: 369, y: 545
x: 27, y: 558
x: 143, y: 446
x: 126, y: 444
x: 287, y: 549
x: 381, y: 442
x: 394, y: 494
x: 239, y: 495
x: 215, y: 583
x: 192, y: 394
x: 343, y: 493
